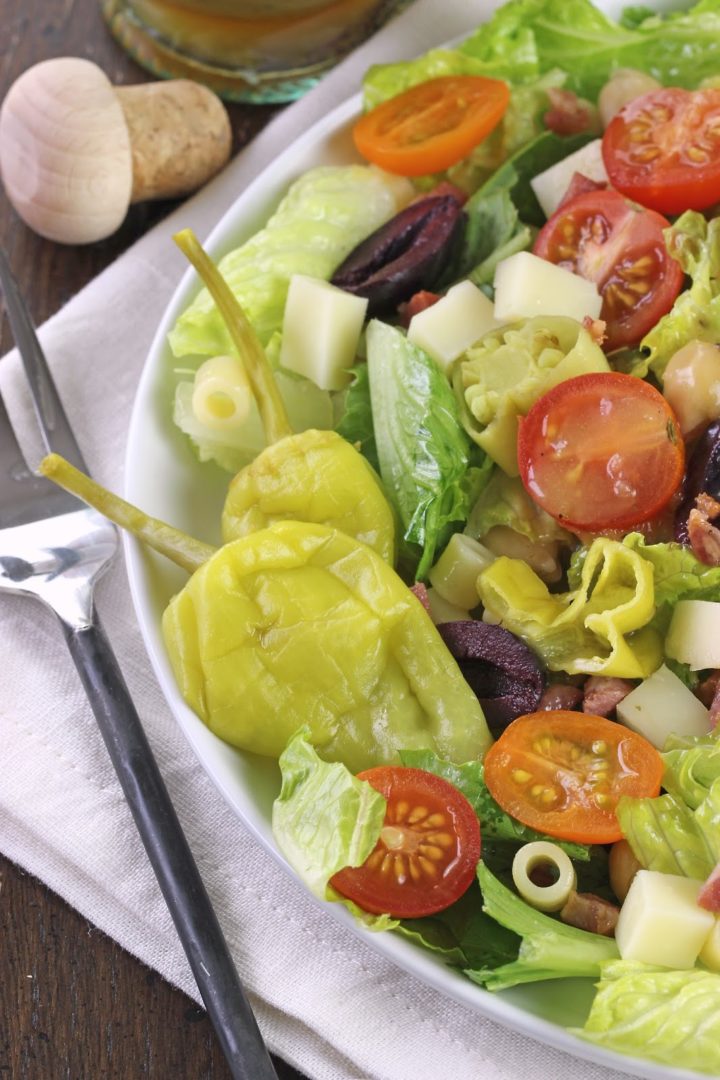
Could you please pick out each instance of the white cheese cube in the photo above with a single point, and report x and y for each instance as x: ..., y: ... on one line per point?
x: 710, y: 952
x: 451, y: 325
x: 454, y: 576
x: 526, y: 285
x: 662, y: 705
x: 321, y: 329
x: 694, y: 634
x: 661, y: 922
x: 551, y: 185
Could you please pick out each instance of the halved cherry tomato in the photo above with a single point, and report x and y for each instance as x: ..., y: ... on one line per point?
x: 428, y: 849
x: 601, y: 451
x: 663, y: 149
x: 602, y: 237
x: 563, y: 773
x: 432, y: 125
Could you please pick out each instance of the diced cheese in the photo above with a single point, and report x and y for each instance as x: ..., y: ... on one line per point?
x: 442, y: 610
x: 660, y: 921
x: 451, y: 325
x: 551, y: 185
x: 454, y: 576
x: 693, y: 636
x: 321, y: 330
x: 526, y: 285
x: 710, y: 952
x: 662, y: 705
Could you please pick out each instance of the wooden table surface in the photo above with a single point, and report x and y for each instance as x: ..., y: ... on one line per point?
x: 73, y: 1004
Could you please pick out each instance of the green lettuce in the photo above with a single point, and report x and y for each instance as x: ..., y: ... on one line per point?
x: 549, y: 948
x: 324, y: 818
x: 598, y: 628
x: 324, y: 215
x: 677, y: 575
x: 463, y: 935
x: 356, y: 423
x: 666, y: 834
x: 668, y: 1016
x: 423, y: 451
x: 533, y: 37
x: 690, y: 771
x: 695, y: 315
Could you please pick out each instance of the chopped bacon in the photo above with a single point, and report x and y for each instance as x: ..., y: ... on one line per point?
x: 596, y: 329
x: 709, y: 693
x: 446, y: 187
x: 422, y: 594
x: 569, y: 114
x: 418, y: 302
x: 703, y: 534
x: 709, y: 895
x: 560, y: 696
x: 580, y: 185
x: 590, y: 912
x: 602, y: 694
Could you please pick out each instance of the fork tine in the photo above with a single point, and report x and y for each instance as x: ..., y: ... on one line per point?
x: 25, y: 497
x: 56, y: 432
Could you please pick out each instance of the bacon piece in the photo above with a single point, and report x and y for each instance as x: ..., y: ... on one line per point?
x: 418, y: 302
x: 560, y: 696
x: 590, y: 912
x: 596, y: 328
x: 568, y: 114
x: 704, y: 536
x: 602, y: 694
x: 422, y: 594
x: 446, y: 187
x: 709, y: 895
x: 580, y: 185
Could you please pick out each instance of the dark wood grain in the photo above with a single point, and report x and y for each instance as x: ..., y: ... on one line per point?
x: 73, y: 1004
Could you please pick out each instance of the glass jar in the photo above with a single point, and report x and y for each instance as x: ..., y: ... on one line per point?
x: 260, y: 51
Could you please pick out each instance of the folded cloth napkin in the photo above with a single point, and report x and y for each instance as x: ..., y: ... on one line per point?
x: 325, y: 999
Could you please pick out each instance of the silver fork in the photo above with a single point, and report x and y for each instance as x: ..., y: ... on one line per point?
x: 54, y: 548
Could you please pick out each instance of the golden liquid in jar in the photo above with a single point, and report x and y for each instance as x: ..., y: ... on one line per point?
x: 254, y: 41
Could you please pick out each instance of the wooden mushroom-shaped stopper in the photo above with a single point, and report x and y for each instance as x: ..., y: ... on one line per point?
x: 76, y: 151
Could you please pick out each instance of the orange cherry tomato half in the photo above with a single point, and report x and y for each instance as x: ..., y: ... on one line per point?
x: 663, y: 149
x: 428, y: 850
x: 602, y: 237
x: 432, y: 125
x: 601, y: 451
x: 563, y: 773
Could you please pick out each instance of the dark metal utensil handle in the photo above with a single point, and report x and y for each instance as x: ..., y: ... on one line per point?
x: 169, y: 854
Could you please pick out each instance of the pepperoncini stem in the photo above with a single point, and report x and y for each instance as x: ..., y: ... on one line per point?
x: 182, y: 549
x: 270, y: 405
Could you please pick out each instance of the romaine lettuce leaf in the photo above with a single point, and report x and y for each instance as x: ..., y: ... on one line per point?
x: 463, y: 935
x: 422, y: 448
x: 668, y: 1016
x: 324, y: 215
x: 325, y: 819
x: 549, y: 949
x: 690, y: 771
x: 677, y: 575
x: 504, y: 501
x: 667, y: 835
x: 598, y: 628
x: 356, y: 423
x: 539, y: 35
x: 695, y: 315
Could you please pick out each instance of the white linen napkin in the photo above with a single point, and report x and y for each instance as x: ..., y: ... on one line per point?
x: 325, y: 999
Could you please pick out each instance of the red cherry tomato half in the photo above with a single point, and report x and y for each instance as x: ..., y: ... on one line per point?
x: 621, y: 248
x: 563, y: 773
x: 601, y: 451
x: 663, y: 149
x: 428, y: 850
x: 432, y: 125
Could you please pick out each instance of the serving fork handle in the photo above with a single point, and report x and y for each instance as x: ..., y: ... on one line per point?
x: 169, y: 853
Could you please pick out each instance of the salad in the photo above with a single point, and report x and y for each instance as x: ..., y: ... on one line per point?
x: 468, y: 595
